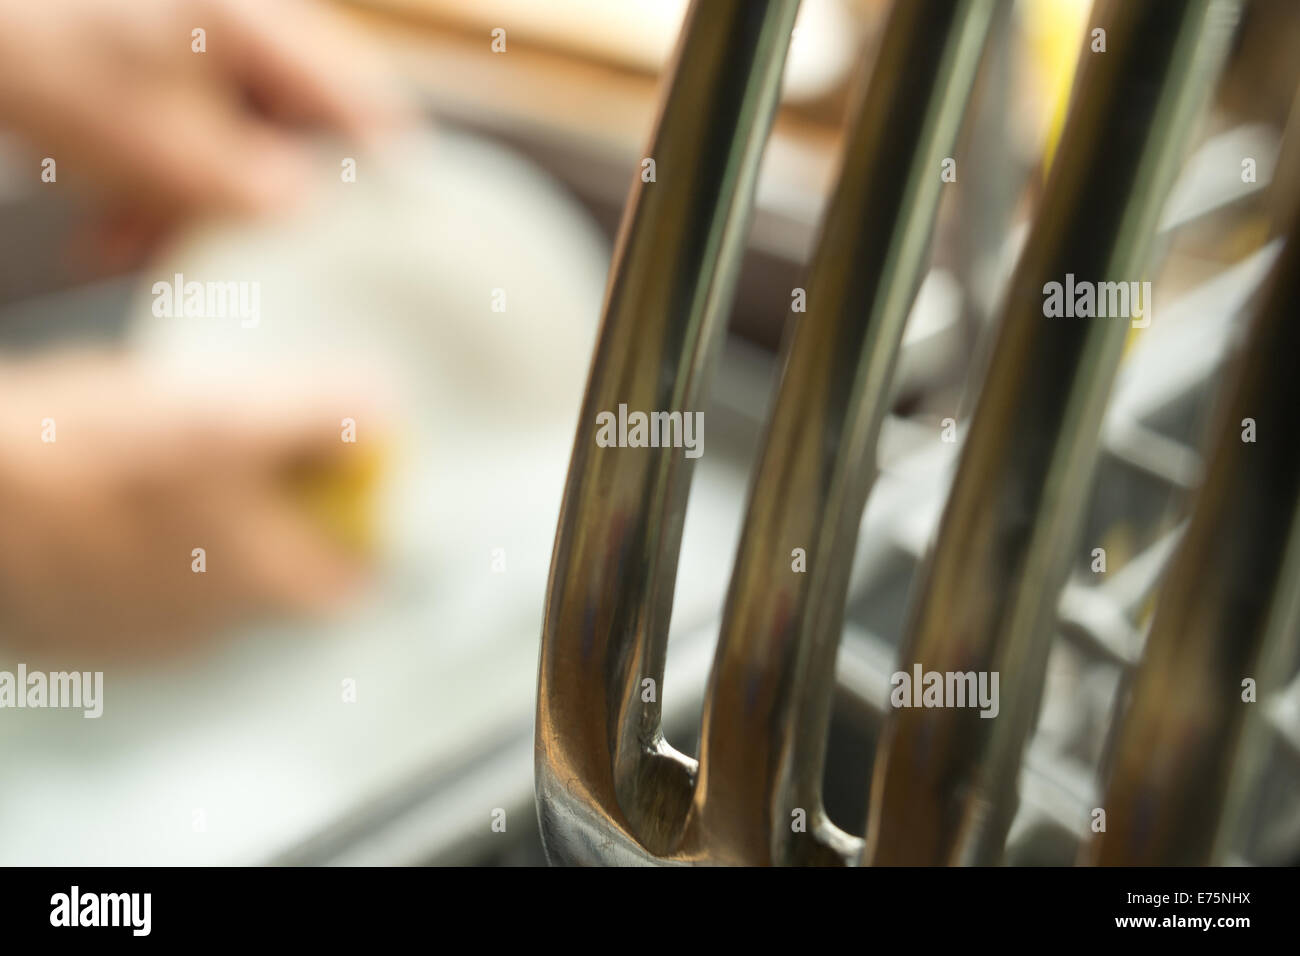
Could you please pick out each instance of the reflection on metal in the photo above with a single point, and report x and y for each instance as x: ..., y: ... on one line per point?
x: 1229, y: 605
x: 944, y: 790
x: 609, y: 787
x: 767, y: 709
x: 603, y: 638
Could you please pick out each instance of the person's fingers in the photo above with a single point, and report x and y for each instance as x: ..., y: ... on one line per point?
x: 192, y: 426
x: 203, y: 153
x: 284, y: 563
x: 181, y: 150
x: 259, y: 423
x: 150, y: 466
x: 299, y: 64
x: 124, y: 104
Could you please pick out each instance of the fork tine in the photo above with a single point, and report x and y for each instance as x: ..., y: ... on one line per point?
x: 766, y: 713
x: 604, y: 772
x: 1228, y: 605
x: 944, y: 785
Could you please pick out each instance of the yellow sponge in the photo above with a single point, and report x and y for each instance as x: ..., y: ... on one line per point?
x: 341, y: 495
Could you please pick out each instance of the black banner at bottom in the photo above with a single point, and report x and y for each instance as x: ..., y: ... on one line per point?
x: 332, y: 906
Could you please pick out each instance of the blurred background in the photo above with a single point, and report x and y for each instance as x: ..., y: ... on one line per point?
x: 459, y: 281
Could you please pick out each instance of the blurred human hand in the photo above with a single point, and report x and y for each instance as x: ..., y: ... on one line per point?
x: 100, y: 524
x: 115, y: 93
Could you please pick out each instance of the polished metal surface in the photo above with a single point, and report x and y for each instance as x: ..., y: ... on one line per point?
x: 993, y: 592
x: 1227, y: 612
x: 945, y: 780
x: 767, y: 711
x: 860, y: 288
x: 609, y: 787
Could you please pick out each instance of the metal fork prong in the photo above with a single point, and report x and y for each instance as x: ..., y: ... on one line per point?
x: 766, y: 713
x: 945, y: 781
x: 1230, y: 598
x: 605, y: 776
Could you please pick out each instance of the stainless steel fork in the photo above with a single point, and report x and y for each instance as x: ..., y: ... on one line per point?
x: 610, y: 789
